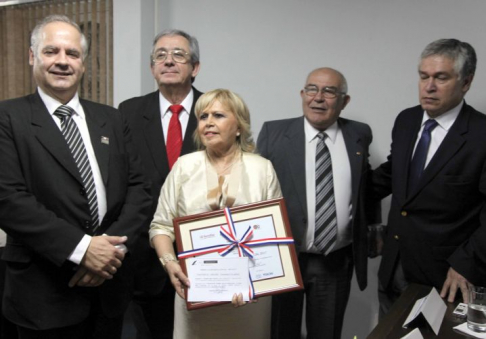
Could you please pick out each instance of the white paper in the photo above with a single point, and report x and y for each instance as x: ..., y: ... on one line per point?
x: 415, y: 334
x: 266, y: 262
x: 433, y: 309
x: 464, y: 329
x: 416, y: 310
x: 217, y: 279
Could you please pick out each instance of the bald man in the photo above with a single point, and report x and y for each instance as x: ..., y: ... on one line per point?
x: 322, y: 164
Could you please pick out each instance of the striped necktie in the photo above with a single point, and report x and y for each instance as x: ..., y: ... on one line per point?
x: 325, y: 233
x: 75, y: 142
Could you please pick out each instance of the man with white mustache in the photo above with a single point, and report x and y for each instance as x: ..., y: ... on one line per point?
x: 322, y: 165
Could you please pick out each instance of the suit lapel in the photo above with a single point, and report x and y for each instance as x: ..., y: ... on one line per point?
x: 154, y: 134
x: 100, y: 138
x: 295, y: 147
x: 356, y: 153
x: 447, y: 149
x: 50, y: 136
x: 402, y: 156
x: 187, y: 143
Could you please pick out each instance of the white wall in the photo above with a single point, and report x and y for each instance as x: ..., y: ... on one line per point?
x: 263, y: 50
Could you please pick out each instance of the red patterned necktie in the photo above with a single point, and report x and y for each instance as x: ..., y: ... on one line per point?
x: 174, y: 136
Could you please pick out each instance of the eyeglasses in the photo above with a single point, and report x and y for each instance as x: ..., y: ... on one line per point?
x: 327, y: 92
x: 177, y: 55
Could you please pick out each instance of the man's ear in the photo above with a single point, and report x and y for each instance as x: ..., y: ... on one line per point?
x: 31, y: 57
x: 346, y: 100
x: 467, y: 83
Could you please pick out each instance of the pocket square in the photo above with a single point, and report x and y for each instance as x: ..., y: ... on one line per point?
x: 105, y: 140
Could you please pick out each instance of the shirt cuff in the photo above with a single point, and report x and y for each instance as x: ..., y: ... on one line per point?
x: 80, y: 250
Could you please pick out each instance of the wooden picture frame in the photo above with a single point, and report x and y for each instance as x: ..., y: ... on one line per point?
x: 265, y: 218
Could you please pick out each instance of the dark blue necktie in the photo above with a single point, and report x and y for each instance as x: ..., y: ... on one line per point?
x: 418, y: 162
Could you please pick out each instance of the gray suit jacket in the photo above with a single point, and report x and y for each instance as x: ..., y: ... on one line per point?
x: 283, y: 143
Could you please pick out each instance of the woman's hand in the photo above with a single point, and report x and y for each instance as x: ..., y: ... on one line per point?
x: 237, y: 300
x: 177, y: 277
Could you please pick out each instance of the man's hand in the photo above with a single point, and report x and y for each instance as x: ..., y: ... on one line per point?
x: 454, y: 281
x: 376, y: 235
x: 102, y: 257
x: 85, y: 278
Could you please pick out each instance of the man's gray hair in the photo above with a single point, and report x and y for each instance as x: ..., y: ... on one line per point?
x: 461, y: 53
x: 35, y: 37
x: 193, y: 44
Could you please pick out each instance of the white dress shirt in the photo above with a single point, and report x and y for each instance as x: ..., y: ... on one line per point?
x: 341, y: 172
x: 166, y: 113
x: 80, y: 120
x: 438, y: 134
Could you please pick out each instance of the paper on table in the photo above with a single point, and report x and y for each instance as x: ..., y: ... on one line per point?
x: 432, y: 307
x: 415, y: 334
x: 217, y: 279
x: 464, y: 329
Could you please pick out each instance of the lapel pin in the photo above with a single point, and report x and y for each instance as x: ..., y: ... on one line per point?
x: 358, y: 153
x: 105, y: 140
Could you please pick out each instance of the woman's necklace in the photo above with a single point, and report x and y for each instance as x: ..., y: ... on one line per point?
x: 226, y: 168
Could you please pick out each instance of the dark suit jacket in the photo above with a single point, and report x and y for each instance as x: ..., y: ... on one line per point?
x: 441, y: 223
x: 143, y: 115
x: 283, y: 142
x: 44, y: 211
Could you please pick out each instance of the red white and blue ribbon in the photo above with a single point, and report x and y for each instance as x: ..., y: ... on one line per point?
x: 243, y: 245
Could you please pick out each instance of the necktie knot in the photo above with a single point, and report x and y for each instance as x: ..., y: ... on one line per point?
x: 63, y: 112
x: 430, y: 125
x: 322, y: 136
x: 176, y: 109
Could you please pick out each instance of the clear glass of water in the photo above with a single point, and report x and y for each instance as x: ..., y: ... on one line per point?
x: 476, y: 309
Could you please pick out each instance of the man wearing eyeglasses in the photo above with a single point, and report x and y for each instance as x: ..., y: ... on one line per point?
x: 162, y: 124
x: 322, y: 164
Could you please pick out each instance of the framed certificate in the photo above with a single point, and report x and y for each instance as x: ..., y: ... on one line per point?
x: 274, y: 267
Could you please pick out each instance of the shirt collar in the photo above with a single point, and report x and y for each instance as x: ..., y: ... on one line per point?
x: 446, y: 119
x: 52, y: 104
x: 186, y: 103
x: 311, y: 132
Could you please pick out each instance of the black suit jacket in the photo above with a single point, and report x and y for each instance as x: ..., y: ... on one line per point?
x: 442, y: 223
x: 44, y: 211
x: 143, y: 115
x: 283, y: 142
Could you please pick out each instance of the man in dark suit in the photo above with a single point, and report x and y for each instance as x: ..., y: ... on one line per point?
x: 321, y: 194
x: 174, y: 62
x: 436, y: 173
x: 70, y: 209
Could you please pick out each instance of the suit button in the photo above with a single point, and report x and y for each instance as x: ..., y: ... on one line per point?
x: 82, y: 191
x: 396, y: 237
x: 404, y: 213
x: 87, y: 224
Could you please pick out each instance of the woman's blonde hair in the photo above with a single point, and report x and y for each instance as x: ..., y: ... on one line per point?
x: 232, y: 102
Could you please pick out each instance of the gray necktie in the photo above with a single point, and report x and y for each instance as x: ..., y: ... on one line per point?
x: 325, y: 233
x: 75, y: 142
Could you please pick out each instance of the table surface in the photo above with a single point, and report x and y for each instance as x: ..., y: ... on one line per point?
x: 390, y: 327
